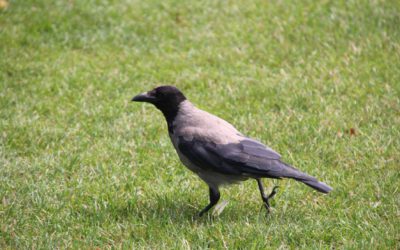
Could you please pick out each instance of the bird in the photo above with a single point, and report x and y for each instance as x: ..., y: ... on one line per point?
x: 216, y: 151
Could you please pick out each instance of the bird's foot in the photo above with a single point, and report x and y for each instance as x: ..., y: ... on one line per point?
x: 270, y: 196
x: 273, y: 193
x: 202, y: 212
x: 267, y: 206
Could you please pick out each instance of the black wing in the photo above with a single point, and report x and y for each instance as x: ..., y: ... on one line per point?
x: 247, y: 157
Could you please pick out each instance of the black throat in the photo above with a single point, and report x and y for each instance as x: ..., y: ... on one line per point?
x: 170, y: 111
x: 170, y: 115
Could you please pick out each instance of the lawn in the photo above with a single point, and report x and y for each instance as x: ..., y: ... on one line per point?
x: 83, y: 167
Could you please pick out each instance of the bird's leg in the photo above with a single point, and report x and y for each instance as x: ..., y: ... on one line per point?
x: 214, y: 198
x: 264, y: 197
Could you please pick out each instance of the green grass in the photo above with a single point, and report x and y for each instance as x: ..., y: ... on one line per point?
x: 83, y: 167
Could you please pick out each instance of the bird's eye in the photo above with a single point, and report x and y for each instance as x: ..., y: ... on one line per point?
x: 159, y: 94
x: 152, y: 93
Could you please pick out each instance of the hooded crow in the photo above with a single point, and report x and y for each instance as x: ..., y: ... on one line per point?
x: 218, y: 153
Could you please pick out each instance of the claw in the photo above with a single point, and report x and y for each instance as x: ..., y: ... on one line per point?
x: 264, y: 197
x: 267, y: 206
x: 272, y: 194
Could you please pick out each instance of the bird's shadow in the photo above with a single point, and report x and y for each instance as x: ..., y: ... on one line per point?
x: 180, y: 211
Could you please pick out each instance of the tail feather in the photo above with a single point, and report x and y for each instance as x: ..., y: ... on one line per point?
x: 294, y: 173
x: 317, y: 185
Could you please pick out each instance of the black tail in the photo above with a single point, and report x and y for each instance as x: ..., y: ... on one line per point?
x: 294, y: 173
x: 317, y: 185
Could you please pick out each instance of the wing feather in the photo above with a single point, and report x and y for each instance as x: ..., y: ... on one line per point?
x: 248, y: 157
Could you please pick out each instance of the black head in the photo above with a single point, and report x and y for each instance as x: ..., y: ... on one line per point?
x: 165, y: 98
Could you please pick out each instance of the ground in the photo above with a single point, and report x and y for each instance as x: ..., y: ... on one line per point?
x: 83, y: 167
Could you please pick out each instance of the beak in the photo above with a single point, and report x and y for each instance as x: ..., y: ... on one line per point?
x: 143, y: 97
